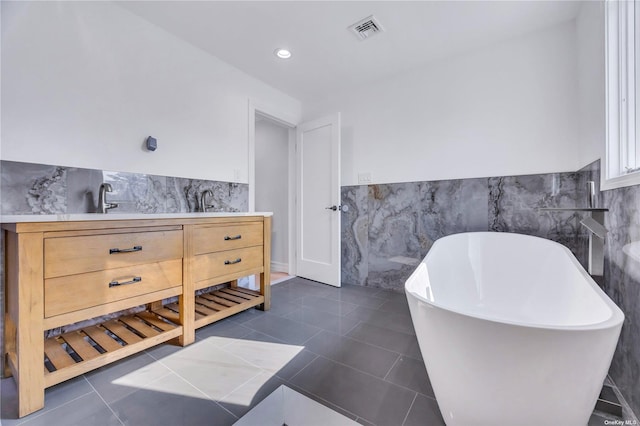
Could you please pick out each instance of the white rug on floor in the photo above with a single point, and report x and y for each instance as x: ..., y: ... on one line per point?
x: 287, y: 407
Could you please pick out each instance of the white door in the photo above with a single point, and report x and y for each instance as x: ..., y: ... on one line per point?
x: 318, y: 200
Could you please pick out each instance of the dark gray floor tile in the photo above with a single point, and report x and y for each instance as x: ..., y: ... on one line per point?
x: 326, y: 321
x: 596, y: 420
x: 294, y: 366
x: 89, y: 409
x: 331, y: 306
x: 170, y: 401
x: 391, y: 295
x: 411, y: 373
x: 163, y: 350
x: 373, y: 399
x: 404, y: 343
x: 241, y: 400
x: 357, y: 298
x: 364, y: 422
x: 389, y: 320
x: 282, y: 308
x: 54, y: 397
x: 286, y: 295
x: 356, y: 354
x: 226, y: 328
x: 396, y: 306
x: 424, y: 411
x: 324, y: 402
x: 117, y: 380
x: 284, y: 329
x: 248, y: 315
x: 299, y: 287
x: 261, y: 337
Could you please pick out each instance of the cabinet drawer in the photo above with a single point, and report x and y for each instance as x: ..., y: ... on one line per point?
x: 74, y: 292
x: 76, y: 255
x: 209, y: 239
x: 211, y: 265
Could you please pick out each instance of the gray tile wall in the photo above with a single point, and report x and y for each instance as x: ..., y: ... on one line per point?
x: 388, y: 228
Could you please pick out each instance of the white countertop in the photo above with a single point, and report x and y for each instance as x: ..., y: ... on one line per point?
x: 118, y: 216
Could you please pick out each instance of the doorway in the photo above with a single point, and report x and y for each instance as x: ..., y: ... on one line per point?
x: 272, y: 188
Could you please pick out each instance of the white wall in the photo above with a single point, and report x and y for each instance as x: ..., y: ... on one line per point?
x: 507, y: 109
x: 591, y: 77
x: 272, y: 183
x: 84, y: 84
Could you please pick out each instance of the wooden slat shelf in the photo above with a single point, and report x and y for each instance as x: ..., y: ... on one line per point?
x: 80, y: 351
x: 216, y: 305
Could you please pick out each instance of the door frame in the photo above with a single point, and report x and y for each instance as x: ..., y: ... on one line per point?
x: 256, y: 109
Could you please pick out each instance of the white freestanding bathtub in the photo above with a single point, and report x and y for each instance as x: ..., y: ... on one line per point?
x: 512, y: 330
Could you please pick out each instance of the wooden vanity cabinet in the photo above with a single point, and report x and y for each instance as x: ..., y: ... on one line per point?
x: 61, y: 273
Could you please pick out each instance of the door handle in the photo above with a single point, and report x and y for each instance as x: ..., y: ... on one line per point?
x: 334, y: 208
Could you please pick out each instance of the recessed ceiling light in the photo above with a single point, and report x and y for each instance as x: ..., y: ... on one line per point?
x: 282, y: 53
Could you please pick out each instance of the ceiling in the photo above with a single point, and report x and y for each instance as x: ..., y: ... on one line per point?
x: 327, y: 58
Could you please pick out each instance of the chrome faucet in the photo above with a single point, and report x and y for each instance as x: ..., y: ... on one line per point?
x: 103, y: 205
x: 203, y: 200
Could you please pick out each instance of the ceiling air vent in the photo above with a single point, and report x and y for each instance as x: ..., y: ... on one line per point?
x: 366, y: 27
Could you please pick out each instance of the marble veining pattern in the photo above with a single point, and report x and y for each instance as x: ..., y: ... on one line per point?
x: 41, y: 189
x: 385, y: 235
x: 32, y: 188
x: 515, y: 203
x: 406, y: 218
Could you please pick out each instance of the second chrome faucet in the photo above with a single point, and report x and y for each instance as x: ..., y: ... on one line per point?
x: 103, y: 205
x: 203, y: 200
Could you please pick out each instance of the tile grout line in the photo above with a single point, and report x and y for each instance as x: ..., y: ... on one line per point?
x: 303, y: 368
x: 328, y: 402
x: 351, y: 329
x: 22, y: 421
x: 102, y: 399
x: 193, y: 386
x: 409, y: 410
x: 381, y: 347
x: 391, y: 368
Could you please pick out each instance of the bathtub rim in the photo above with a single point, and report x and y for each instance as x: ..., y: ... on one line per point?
x: 616, y: 318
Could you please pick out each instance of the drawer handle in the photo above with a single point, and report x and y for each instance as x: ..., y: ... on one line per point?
x: 133, y: 281
x: 129, y: 250
x: 228, y: 238
x: 233, y: 262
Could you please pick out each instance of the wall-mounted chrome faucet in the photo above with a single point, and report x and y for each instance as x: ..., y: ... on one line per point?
x: 103, y: 205
x: 597, y: 231
x: 203, y: 200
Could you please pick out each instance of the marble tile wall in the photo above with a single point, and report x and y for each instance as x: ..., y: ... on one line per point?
x: 42, y: 189
x: 389, y: 228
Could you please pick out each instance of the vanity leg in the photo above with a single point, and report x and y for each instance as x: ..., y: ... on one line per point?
x: 187, y: 300
x: 233, y: 283
x: 265, y: 277
x: 25, y: 296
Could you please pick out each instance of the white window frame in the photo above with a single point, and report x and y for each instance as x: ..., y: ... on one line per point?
x: 621, y: 163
